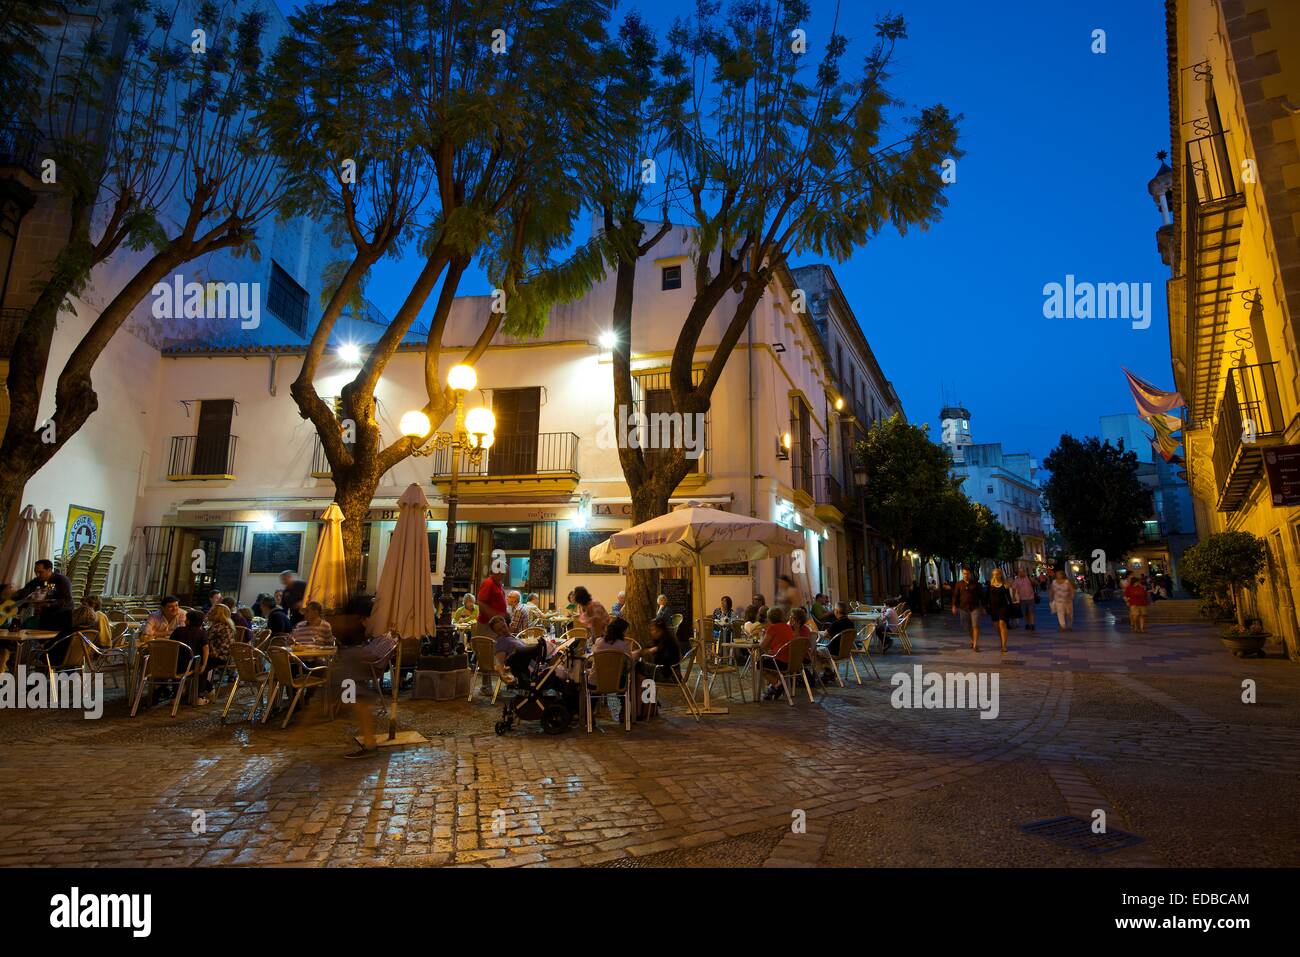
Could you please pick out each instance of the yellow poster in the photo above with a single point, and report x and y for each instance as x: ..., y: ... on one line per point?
x: 85, y: 526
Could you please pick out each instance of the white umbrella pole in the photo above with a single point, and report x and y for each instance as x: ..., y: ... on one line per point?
x: 702, y: 633
x: 397, y: 681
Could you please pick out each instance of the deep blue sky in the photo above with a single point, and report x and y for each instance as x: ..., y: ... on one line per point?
x: 1060, y: 143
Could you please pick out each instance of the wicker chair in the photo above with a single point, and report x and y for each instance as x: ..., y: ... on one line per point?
x: 252, y: 668
x: 283, y: 676
x: 162, y: 663
x: 610, y: 670
x: 798, y: 653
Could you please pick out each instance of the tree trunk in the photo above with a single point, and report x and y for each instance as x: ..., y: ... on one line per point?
x: 648, y: 501
x: 353, y: 495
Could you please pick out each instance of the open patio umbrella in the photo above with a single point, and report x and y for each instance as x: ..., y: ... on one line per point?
x: 45, y: 536
x: 404, y: 599
x: 695, y: 537
x: 17, y: 559
x: 327, y: 582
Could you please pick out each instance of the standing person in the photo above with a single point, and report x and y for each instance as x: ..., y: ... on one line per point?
x: 789, y: 595
x: 591, y: 614
x: 967, y: 599
x: 999, y: 601
x: 1062, y: 600
x: 294, y: 592
x: 1135, y: 594
x: 1022, y: 589
x: 492, y: 599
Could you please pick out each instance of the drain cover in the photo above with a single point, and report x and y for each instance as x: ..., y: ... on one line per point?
x: 1076, y: 833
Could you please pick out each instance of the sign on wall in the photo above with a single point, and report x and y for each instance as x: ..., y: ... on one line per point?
x: 1282, y: 465
x: 85, y: 527
x: 275, y: 552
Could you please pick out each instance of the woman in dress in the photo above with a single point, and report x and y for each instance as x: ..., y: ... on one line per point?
x: 1062, y: 603
x: 999, y: 604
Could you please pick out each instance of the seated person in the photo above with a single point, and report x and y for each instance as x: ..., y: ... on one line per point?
x: 758, y: 622
x: 98, y: 621
x: 888, y: 622
x: 840, y: 628
x: 276, y: 620
x: 221, y: 633
x: 514, y: 656
x: 236, y: 619
x: 195, y: 639
x: 663, y: 652
x: 619, y: 601
x: 803, y: 628
x: 466, y: 612
x: 165, y: 620
x: 313, y: 629
x: 775, y: 651
x: 822, y: 611
x: 662, y: 611
x: 615, y: 638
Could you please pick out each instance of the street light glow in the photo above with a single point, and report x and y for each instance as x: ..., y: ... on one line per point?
x: 350, y: 353
x: 607, y: 339
x: 462, y: 378
x: 479, y: 424
x: 415, y: 424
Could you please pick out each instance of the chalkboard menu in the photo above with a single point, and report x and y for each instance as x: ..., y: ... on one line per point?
x: 735, y: 569
x: 678, y: 593
x: 229, y: 565
x: 275, y: 552
x: 541, y: 569
x: 580, y: 545
x: 461, y: 569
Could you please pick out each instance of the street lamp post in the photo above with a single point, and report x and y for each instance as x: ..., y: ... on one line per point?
x: 860, y: 480
x: 471, y: 436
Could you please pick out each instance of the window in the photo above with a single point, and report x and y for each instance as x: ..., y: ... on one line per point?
x: 661, y: 428
x: 801, y: 453
x: 286, y: 300
x: 990, y: 489
x: 671, y: 277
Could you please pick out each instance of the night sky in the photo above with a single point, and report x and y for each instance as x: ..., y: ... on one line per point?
x: 1060, y: 144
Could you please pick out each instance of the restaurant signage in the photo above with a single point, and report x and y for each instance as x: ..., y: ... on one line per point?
x: 1282, y: 465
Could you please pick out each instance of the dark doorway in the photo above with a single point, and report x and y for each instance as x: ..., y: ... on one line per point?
x: 517, y: 413
x: 212, y: 444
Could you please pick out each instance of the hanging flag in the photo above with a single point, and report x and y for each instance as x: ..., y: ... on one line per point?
x: 1171, y: 423
x: 1150, y: 400
x: 1166, y: 446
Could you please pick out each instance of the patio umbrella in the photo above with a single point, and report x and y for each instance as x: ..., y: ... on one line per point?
x: 45, y: 536
x: 135, y: 573
x: 327, y: 583
x: 404, y: 599
x: 16, y: 560
x: 695, y: 537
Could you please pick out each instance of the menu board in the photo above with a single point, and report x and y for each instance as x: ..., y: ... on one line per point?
x: 433, y: 552
x: 580, y: 545
x: 678, y: 593
x: 275, y: 552
x: 229, y: 565
x: 1282, y: 465
x: 541, y: 569
x: 461, y: 569
x: 734, y: 569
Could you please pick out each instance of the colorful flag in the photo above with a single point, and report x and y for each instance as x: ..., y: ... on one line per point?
x: 1150, y: 400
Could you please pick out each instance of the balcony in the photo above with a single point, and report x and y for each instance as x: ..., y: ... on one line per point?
x: 19, y: 145
x: 195, y: 458
x: 1249, y: 421
x: 829, y: 499
x: 529, y: 466
x: 1215, y: 211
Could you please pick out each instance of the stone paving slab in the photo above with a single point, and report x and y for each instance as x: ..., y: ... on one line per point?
x: 157, y: 791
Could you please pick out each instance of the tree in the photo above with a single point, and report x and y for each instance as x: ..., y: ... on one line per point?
x: 1226, y: 561
x: 413, y: 123
x: 946, y: 526
x: 764, y: 162
x: 158, y: 149
x: 910, y: 498
x: 22, y: 62
x: 1096, y: 498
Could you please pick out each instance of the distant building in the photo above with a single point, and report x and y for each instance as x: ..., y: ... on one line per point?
x: 1170, y: 529
x: 1005, y: 482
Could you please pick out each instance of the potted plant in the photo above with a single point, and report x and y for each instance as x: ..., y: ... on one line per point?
x: 1229, y: 562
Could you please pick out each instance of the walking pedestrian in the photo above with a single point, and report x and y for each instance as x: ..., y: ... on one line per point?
x: 1062, y: 600
x: 1135, y: 594
x: 1023, y: 591
x: 967, y: 599
x: 999, y: 603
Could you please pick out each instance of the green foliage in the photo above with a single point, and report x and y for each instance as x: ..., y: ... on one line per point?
x: 22, y: 61
x: 1095, y: 496
x: 1225, y: 561
x: 907, y: 481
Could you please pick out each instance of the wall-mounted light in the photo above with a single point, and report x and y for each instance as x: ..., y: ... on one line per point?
x: 265, y: 522
x: 783, y: 445
x: 607, y: 339
x: 839, y: 403
x: 350, y: 353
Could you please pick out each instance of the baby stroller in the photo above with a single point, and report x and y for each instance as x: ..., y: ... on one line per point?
x: 547, y: 697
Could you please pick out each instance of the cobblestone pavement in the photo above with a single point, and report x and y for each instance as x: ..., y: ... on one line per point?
x: 1152, y: 729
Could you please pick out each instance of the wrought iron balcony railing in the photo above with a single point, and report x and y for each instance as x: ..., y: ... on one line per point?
x: 201, y: 457
x: 536, y: 453
x: 828, y: 491
x: 19, y: 143
x: 1250, y: 416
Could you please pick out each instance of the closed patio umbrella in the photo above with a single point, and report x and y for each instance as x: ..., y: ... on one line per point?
x: 695, y: 537
x: 135, y: 574
x: 17, y: 559
x: 327, y: 582
x: 404, y: 599
x: 45, y: 536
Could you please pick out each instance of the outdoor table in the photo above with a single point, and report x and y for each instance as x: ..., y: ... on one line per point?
x: 24, y: 637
